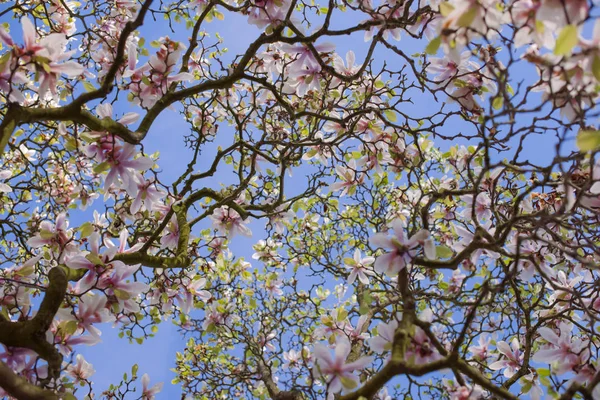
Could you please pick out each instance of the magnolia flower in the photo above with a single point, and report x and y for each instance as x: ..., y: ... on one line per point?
x: 125, y: 292
x: 146, y: 194
x: 348, y: 179
x: 458, y: 392
x: 193, y: 288
x: 451, y: 66
x: 46, y: 58
x: 303, y: 55
x: 358, y: 333
x: 229, y: 222
x: 421, y: 349
x: 4, y: 188
x: 482, y: 206
x: 123, y: 165
x: 82, y: 370
x: 266, y: 341
x: 385, y: 337
x: 150, y: 393
x: 337, y: 373
x: 321, y: 152
x: 536, y: 392
x: 481, y: 351
x: 56, y: 236
x: 267, y: 12
x: 91, y: 310
x: 359, y: 267
x: 304, y: 80
x: 273, y: 287
x: 348, y: 69
x: 217, y: 315
x: 383, y: 395
x: 403, y: 250
x: 563, y: 348
x: 511, y: 358
x: 171, y: 237
x: 292, y: 359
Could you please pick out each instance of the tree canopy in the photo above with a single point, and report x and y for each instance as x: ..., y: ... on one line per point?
x: 374, y: 199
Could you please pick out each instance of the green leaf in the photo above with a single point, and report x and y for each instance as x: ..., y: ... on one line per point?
x: 443, y: 252
x: 567, y: 40
x: 25, y: 271
x: 588, y: 140
x: 433, y: 46
x: 93, y: 258
x: 88, y: 86
x: 349, y: 261
x: 446, y: 8
x: 390, y: 115
x: 4, y: 59
x: 596, y: 67
x: 70, y: 327
x: 44, y: 234
x: 86, y: 230
x: 468, y: 17
x: 510, y: 90
x: 121, y: 294
x: 497, y: 103
x: 100, y: 168
x: 347, y: 382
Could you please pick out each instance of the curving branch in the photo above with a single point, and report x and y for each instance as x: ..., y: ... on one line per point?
x: 31, y: 334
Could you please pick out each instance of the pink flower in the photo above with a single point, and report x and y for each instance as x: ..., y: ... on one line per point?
x: 348, y: 70
x: 385, y: 337
x: 91, y: 310
x: 123, y: 165
x: 229, y: 222
x: 125, y: 291
x: 273, y: 287
x: 536, y: 392
x: 82, y: 370
x: 171, y: 237
x: 150, y: 393
x: 481, y: 351
x: 146, y: 194
x: 5, y: 174
x: 337, y: 373
x: 303, y: 80
x: 348, y: 179
x: 421, y: 349
x: 358, y: 333
x: 563, y: 348
x: 292, y: 359
x: 451, y: 66
x: 57, y: 237
x: 403, y: 250
x: 44, y: 58
x: 359, y: 267
x: 267, y: 12
x: 303, y: 55
x: 192, y: 288
x: 482, y: 206
x: 511, y: 358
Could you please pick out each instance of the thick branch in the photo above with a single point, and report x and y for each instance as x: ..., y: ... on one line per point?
x: 20, y: 388
x: 31, y: 334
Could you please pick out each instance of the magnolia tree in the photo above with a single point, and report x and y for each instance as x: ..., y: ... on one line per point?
x: 409, y: 237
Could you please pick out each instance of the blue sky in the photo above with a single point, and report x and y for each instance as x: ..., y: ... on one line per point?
x: 156, y: 356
